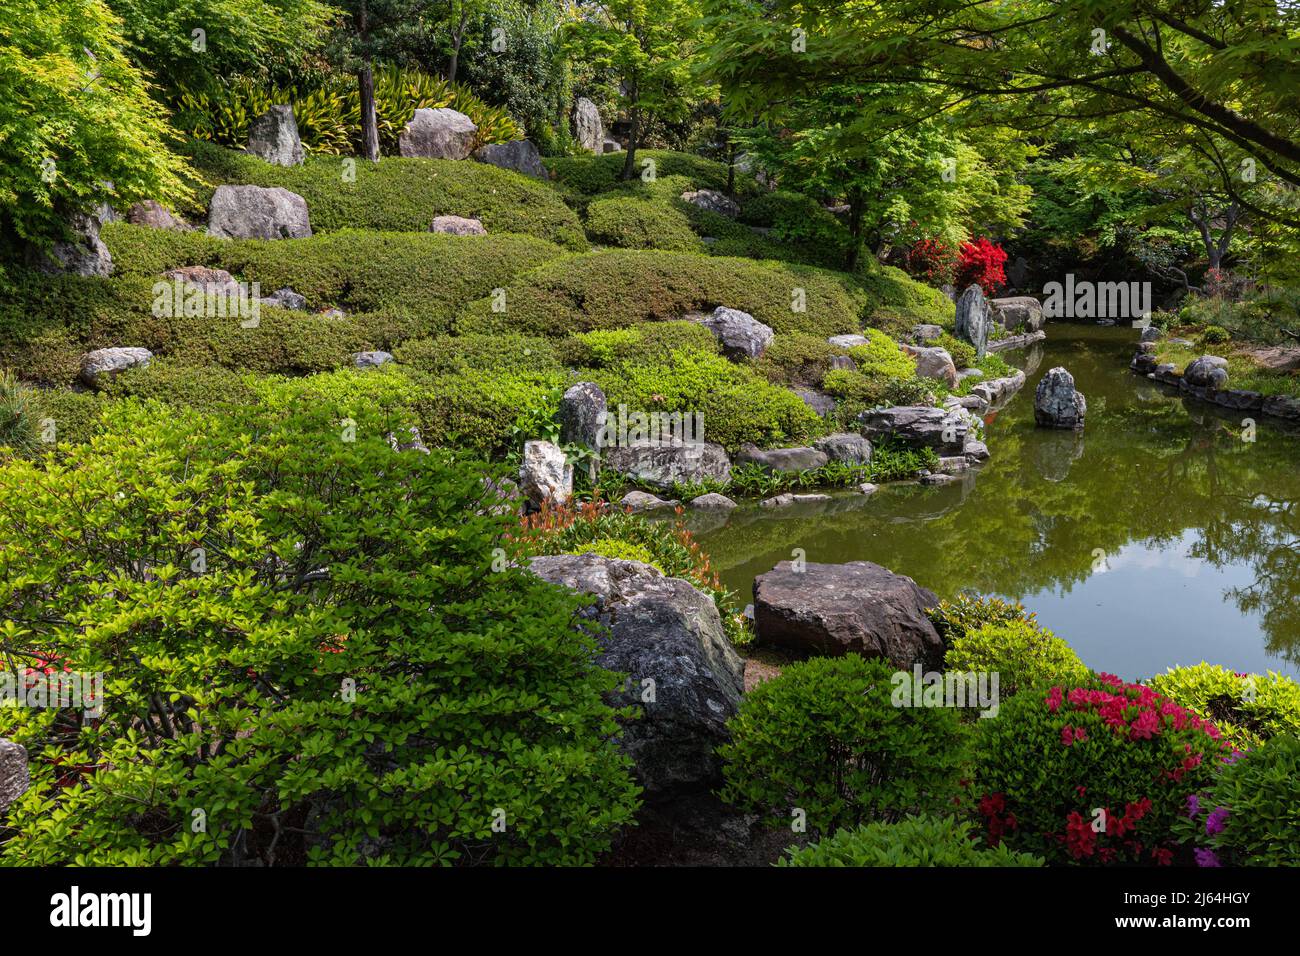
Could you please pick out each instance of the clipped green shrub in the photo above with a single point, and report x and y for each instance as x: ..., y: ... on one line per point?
x: 1094, y: 773
x: 588, y: 175
x: 797, y: 359
x: 621, y: 287
x: 953, y: 619
x: 631, y: 223
x: 403, y: 195
x: 328, y: 566
x: 618, y: 549
x: 825, y: 738
x: 1250, y: 814
x: 900, y: 302
x: 882, y: 357
x: 1021, y: 654
x: 465, y: 353
x: 651, y: 343
x: 1248, y: 708
x: 1214, y: 335
x: 914, y: 841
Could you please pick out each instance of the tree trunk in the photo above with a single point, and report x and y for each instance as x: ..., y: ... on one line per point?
x: 633, y: 140
x: 856, y: 202
x: 457, y: 40
x: 731, y: 165
x: 369, y: 121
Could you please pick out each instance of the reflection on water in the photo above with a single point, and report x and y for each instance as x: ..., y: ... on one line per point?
x: 1157, y: 537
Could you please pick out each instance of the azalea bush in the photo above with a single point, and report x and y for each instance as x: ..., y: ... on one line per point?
x: 981, y: 263
x: 952, y: 619
x: 824, y: 744
x: 1250, y: 815
x: 1020, y: 653
x: 1097, y: 772
x: 1248, y: 708
x: 914, y: 841
x: 310, y: 654
x: 932, y: 261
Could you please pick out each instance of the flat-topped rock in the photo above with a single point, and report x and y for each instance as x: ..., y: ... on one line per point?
x: 784, y: 460
x: 519, y: 156
x: 457, y: 226
x: 102, y: 365
x: 847, y: 341
x: 366, y: 360
x: 787, y: 499
x: 258, y: 212
x: 440, y: 133
x: 710, y: 200
x: 665, y: 463
x: 853, y: 608
x: 637, y: 501
x: 918, y: 426
x: 848, y: 448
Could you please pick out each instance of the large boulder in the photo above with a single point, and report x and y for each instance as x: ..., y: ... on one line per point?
x: 819, y: 402
x: 787, y: 460
x: 588, y: 129
x: 637, y: 501
x: 853, y: 608
x: 545, y: 475
x: 14, y: 775
x: 740, y: 334
x: 519, y: 155
x: 934, y: 363
x: 665, y: 463
x: 99, y: 366
x: 154, y: 215
x: 710, y: 200
x: 273, y: 136
x: 918, y: 426
x: 974, y: 319
x: 847, y: 448
x: 441, y: 133
x: 1208, y: 371
x: 373, y: 359
x: 81, y: 253
x: 1057, y: 404
x: 1018, y: 313
x: 582, y: 414
x: 457, y: 226
x: 682, y: 672
x: 258, y: 212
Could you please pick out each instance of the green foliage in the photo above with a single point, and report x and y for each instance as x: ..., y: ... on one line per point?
x: 1052, y: 758
x: 1248, y: 708
x: 963, y: 353
x: 19, y: 415
x: 79, y: 127
x: 824, y: 737
x: 893, y: 461
x: 631, y: 223
x: 913, y: 841
x: 881, y: 357
x: 618, y: 549
x: 614, y: 288
x: 1020, y: 653
x: 1250, y: 815
x: 647, y: 344
x: 1214, y: 335
x: 404, y: 194
x: 797, y: 359
x: 964, y: 613
x: 588, y: 175
x: 328, y: 113
x: 324, y: 560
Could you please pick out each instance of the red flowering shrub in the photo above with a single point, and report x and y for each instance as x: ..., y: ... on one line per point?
x: 980, y: 263
x: 932, y: 261
x: 1097, y: 773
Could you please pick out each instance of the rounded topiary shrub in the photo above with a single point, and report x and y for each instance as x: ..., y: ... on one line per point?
x: 966, y: 613
x: 915, y: 841
x: 1099, y: 772
x: 825, y: 744
x: 304, y: 644
x: 1250, y: 815
x: 1248, y: 708
x: 1019, y: 653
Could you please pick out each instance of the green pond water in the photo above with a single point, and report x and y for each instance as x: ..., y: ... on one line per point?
x: 1157, y: 537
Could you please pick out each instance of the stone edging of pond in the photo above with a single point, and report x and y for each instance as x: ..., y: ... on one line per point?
x: 1276, y: 406
x: 1016, y: 341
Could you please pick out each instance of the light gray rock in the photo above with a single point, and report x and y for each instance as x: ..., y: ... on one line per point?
x: 1057, y: 404
x: 952, y: 465
x: 926, y: 333
x: 209, y: 281
x: 286, y: 299
x: 588, y: 129
x: 739, y: 333
x: 712, y: 502
x: 413, y: 441
x: 545, y: 476
x: 853, y: 608
x: 918, y: 426
x: 665, y: 463
x: 974, y: 319
x: 711, y: 200
x: 457, y: 226
x: 1151, y: 334
x: 819, y: 402
x: 637, y: 501
x: 81, y: 253
x: 847, y: 341
x: 976, y: 451
x: 934, y: 363
x: 154, y: 215
x: 867, y: 488
x: 440, y: 133
x: 1019, y: 313
x: 102, y: 365
x: 786, y: 500
x: 15, y: 778
x: 848, y: 448
x: 784, y: 460
x: 258, y: 212
x: 937, y: 479
x: 844, y: 363
x: 519, y: 155
x: 1208, y: 371
x: 273, y: 136
x: 682, y: 672
x: 582, y: 414
x: 364, y: 360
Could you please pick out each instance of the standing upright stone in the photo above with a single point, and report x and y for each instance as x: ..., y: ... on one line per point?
x: 273, y: 136
x: 974, y: 318
x: 588, y: 129
x: 545, y: 476
x: 14, y: 775
x: 438, y: 134
x: 582, y: 415
x: 1057, y: 404
x: 83, y: 253
x: 258, y: 212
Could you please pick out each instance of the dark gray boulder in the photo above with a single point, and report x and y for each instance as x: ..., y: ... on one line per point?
x: 740, y: 335
x: 14, y: 775
x: 273, y: 137
x: 1018, y: 313
x: 848, y: 448
x: 582, y: 414
x: 853, y: 608
x: 974, y: 319
x: 1057, y: 403
x: 819, y: 402
x: 918, y: 426
x: 519, y: 156
x: 664, y: 463
x: 81, y: 252
x: 682, y: 671
x: 782, y: 459
x: 1208, y: 371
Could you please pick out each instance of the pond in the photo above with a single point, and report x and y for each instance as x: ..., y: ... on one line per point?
x: 1159, y: 536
